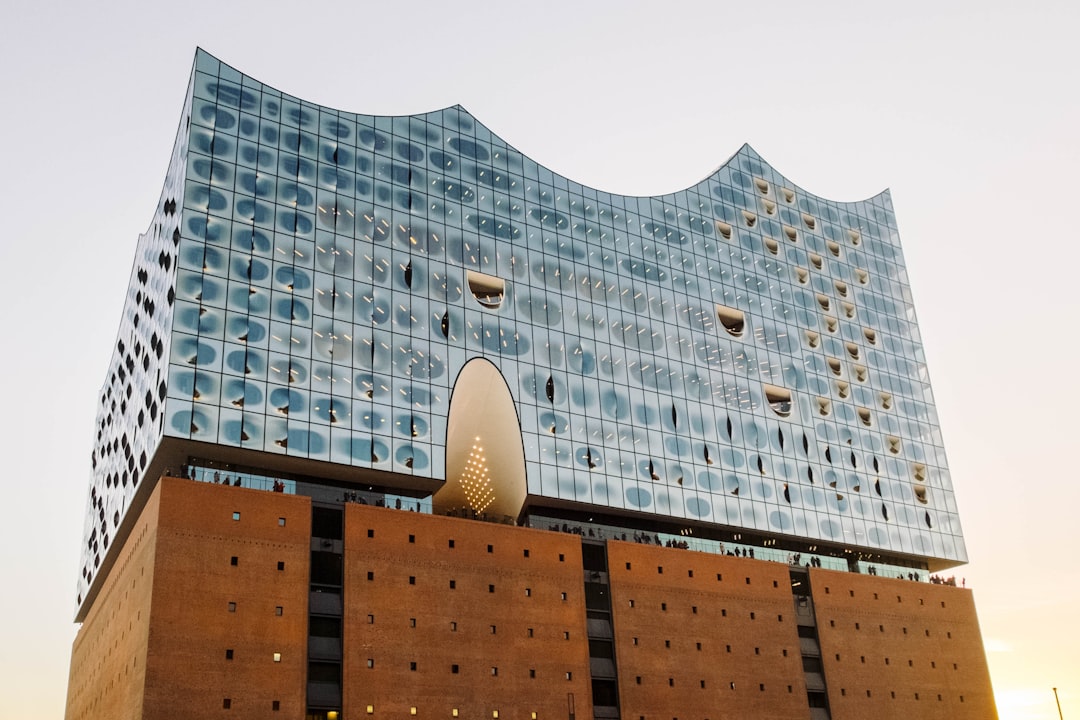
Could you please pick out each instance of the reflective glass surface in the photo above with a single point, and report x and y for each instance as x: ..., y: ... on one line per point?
x: 740, y: 352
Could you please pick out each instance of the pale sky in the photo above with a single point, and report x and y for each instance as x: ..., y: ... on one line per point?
x: 969, y: 113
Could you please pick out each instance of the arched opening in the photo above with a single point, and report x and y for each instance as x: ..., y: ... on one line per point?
x: 485, y: 456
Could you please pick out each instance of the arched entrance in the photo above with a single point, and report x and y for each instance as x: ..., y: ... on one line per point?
x: 485, y: 457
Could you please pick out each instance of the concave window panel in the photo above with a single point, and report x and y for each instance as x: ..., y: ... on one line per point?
x: 769, y: 206
x: 834, y: 248
x: 762, y: 186
x: 749, y: 218
x: 841, y: 287
x: 862, y: 276
x: 816, y: 261
x: 823, y: 301
x: 871, y: 335
x: 789, y: 195
x: 843, y: 389
x: 813, y: 339
x: 802, y: 275
x: 834, y: 365
x: 852, y: 350
x: 724, y: 229
x: 734, y: 321
x: 488, y: 290
x: 779, y: 399
x: 854, y: 236
x: 791, y: 233
x: 824, y: 406
x: 893, y: 443
x: 809, y: 220
x: 771, y: 245
x: 864, y: 416
x: 886, y: 400
x: 831, y: 323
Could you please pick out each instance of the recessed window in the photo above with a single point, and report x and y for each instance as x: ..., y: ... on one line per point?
x: 562, y: 595
x: 487, y: 289
x: 526, y: 551
x: 236, y: 515
x: 454, y: 669
x: 779, y: 399
x: 562, y: 558
x: 733, y: 321
x: 528, y: 592
x: 279, y: 611
x: 412, y: 539
x: 277, y: 657
x: 232, y: 607
x: 529, y: 632
x: 491, y: 588
x: 281, y: 565
x: 281, y: 523
x: 275, y: 705
x: 494, y: 671
x: 234, y: 560
x: 370, y: 575
x: 371, y: 662
x: 566, y: 635
x: 453, y: 584
x: 226, y: 703
x: 569, y: 675
x: 370, y: 533
x: 371, y: 619
x: 412, y: 579
x: 229, y: 654
x: 412, y: 622
x: 412, y: 665
x: 492, y: 629
x: 451, y: 544
x: 491, y: 548
x: 453, y: 626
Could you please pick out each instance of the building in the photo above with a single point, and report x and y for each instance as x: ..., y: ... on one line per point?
x: 497, y: 444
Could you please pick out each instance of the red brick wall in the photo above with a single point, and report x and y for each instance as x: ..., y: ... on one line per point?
x: 900, y: 649
x: 454, y: 626
x: 739, y: 610
x: 108, y: 657
x: 194, y: 582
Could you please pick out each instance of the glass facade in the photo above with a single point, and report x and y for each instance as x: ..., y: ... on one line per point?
x: 740, y: 352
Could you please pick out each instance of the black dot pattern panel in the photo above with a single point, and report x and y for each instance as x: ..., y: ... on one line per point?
x: 740, y: 352
x: 131, y: 408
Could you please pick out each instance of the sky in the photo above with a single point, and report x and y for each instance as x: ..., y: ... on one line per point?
x: 968, y: 111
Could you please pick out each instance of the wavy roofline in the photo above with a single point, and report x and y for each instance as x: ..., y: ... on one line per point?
x: 745, y: 148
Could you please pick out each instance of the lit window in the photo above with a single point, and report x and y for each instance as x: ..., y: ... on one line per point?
x: 277, y: 657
